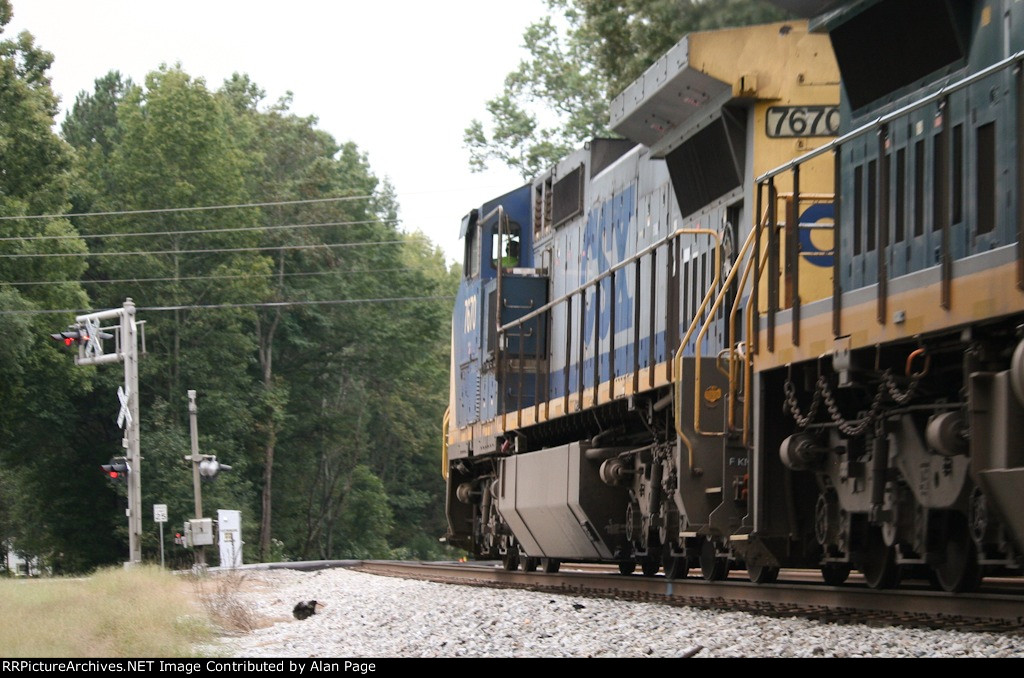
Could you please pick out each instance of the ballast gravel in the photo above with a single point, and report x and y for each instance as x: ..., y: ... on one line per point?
x: 366, y: 615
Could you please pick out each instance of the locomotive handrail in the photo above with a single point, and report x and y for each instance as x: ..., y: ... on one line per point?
x: 601, y: 276
x: 502, y: 329
x: 445, y: 422
x: 502, y: 220
x: 889, y: 117
x: 748, y: 356
x: 704, y: 328
x: 677, y: 360
x: 751, y: 262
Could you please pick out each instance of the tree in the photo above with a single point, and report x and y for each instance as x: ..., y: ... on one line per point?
x: 550, y: 102
x: 330, y: 374
x: 39, y: 387
x: 578, y: 64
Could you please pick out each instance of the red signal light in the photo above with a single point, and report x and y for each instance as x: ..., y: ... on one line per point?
x: 68, y: 341
x: 117, y: 469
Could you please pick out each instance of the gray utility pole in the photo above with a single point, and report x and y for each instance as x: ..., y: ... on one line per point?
x: 126, y: 351
x: 196, y: 459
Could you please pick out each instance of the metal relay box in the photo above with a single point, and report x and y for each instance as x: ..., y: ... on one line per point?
x: 199, y: 532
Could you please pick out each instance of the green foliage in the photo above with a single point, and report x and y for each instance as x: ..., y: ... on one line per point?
x: 558, y: 98
x: 39, y: 387
x: 366, y: 519
x: 629, y: 36
x: 550, y: 102
x: 329, y: 413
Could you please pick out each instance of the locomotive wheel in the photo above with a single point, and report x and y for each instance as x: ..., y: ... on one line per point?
x: 627, y: 567
x: 879, y: 566
x: 835, y: 574
x: 530, y: 564
x: 762, y: 574
x: 550, y: 565
x: 711, y: 566
x: 510, y: 561
x: 649, y: 566
x: 959, y: 570
x: 676, y: 567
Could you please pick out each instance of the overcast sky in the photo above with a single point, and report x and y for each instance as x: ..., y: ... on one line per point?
x: 400, y: 78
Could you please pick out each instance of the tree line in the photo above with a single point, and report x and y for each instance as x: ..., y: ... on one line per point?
x: 316, y: 332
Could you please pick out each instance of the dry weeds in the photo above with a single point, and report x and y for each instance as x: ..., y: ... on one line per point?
x: 221, y: 594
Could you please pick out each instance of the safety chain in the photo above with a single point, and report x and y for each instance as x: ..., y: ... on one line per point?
x: 823, y: 393
x: 898, y: 396
x: 852, y: 430
x: 793, y: 407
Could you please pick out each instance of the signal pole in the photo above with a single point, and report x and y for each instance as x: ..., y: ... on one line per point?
x: 127, y: 351
x: 196, y: 459
x: 203, y: 466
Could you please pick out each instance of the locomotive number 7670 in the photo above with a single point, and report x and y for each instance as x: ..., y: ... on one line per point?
x: 802, y: 121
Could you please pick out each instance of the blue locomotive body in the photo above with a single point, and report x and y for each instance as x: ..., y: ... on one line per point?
x: 777, y: 325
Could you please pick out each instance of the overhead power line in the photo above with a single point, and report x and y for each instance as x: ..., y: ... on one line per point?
x: 276, y: 304
x: 240, y: 229
x: 201, y: 208
x: 190, y: 278
x: 265, y: 304
x: 212, y: 251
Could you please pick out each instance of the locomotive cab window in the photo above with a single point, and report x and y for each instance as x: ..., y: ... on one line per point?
x: 471, y: 267
x: 505, y: 246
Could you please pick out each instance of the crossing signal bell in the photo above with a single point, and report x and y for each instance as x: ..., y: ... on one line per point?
x: 117, y: 469
x: 209, y: 467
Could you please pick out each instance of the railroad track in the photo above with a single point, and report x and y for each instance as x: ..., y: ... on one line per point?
x: 1001, y: 611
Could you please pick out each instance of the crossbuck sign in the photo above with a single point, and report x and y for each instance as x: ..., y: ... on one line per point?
x: 124, y: 416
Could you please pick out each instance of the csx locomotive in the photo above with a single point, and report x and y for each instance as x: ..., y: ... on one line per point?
x: 778, y: 324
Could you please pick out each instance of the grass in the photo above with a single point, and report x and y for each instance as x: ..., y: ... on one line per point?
x: 141, y: 612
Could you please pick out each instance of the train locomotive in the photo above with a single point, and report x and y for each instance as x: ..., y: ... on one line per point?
x: 780, y: 323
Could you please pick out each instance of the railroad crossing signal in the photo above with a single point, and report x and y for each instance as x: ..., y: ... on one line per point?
x: 72, y: 336
x: 117, y: 469
x: 87, y: 335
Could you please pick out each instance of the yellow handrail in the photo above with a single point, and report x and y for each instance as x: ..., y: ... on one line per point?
x: 677, y: 361
x: 747, y: 356
x: 748, y: 376
x: 700, y: 337
x: 444, y: 442
x: 751, y: 261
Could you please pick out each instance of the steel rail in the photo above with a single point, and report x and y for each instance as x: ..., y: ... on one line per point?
x: 989, y: 611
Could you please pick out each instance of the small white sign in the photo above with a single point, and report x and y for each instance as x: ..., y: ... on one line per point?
x: 159, y: 513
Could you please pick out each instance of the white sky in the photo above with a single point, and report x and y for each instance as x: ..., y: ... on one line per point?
x: 400, y: 78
